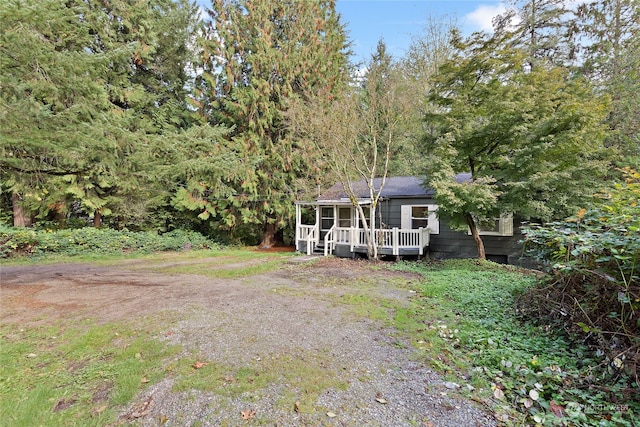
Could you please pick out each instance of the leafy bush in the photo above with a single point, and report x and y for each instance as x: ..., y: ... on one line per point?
x: 89, y: 240
x: 594, y: 287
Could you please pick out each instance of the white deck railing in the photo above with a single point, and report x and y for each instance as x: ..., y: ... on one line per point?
x: 309, y: 234
x: 394, y: 239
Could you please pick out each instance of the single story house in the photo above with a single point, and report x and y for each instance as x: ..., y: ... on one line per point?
x: 406, y: 223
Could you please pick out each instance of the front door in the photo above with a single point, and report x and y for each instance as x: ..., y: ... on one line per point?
x: 327, y: 220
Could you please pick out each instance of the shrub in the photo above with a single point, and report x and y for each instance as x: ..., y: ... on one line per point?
x: 89, y: 240
x: 593, y: 287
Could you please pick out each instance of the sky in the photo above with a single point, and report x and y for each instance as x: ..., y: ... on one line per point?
x: 395, y: 21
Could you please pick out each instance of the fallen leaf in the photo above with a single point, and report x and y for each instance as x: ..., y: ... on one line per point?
x: 229, y: 379
x: 140, y: 410
x: 534, y: 395
x: 247, y: 414
x: 558, y: 410
x: 144, y: 380
x: 498, y: 394
x: 331, y: 415
x: 199, y: 365
x: 100, y: 410
x: 296, y: 406
x: 381, y: 400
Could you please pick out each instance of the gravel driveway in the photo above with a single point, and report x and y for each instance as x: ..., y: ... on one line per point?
x: 293, y: 318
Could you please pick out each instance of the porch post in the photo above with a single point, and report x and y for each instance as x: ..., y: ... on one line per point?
x: 396, y: 242
x: 298, y: 217
x: 318, y: 221
x: 421, y: 240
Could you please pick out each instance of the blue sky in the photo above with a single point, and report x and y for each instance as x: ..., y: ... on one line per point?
x: 395, y: 21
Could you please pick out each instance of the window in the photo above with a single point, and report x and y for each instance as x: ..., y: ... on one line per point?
x: 502, y: 226
x: 326, y: 218
x: 344, y: 217
x: 419, y: 216
x: 416, y: 216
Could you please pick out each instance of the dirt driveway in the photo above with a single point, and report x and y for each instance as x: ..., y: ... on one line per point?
x: 298, y: 313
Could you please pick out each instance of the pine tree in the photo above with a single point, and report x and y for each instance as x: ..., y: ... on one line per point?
x: 89, y: 88
x: 610, y: 36
x: 542, y: 28
x: 257, y: 56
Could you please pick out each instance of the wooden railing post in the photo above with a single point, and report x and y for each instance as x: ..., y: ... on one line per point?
x: 395, y: 241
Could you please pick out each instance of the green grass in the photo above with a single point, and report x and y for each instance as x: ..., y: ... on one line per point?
x: 464, y: 322
x: 219, y: 264
x: 74, y: 374
x: 307, y: 375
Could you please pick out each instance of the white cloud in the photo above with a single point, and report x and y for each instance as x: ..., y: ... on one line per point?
x: 481, y: 18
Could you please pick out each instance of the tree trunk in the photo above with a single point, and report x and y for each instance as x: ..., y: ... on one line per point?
x: 97, y: 218
x: 369, y: 234
x: 21, y: 217
x: 269, y: 236
x: 476, y: 237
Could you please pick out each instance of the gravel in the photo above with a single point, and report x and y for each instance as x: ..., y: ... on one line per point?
x: 290, y: 314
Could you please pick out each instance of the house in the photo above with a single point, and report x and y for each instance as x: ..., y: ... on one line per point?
x: 406, y: 223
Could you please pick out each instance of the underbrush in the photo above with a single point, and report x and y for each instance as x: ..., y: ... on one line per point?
x: 465, y: 321
x: 15, y: 242
x: 593, y: 285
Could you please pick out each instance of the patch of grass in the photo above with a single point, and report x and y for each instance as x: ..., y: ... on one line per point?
x: 74, y: 374
x: 227, y: 265
x: 306, y: 376
x: 370, y: 306
x: 219, y: 271
x: 463, y: 320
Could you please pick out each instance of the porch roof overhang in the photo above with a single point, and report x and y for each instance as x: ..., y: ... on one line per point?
x: 337, y: 202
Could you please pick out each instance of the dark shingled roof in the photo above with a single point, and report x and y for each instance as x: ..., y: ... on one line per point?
x: 394, y: 187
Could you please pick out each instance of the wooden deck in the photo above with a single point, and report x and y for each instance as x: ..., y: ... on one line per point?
x: 394, y: 241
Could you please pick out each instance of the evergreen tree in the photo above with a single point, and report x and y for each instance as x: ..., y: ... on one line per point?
x: 89, y: 89
x: 54, y: 113
x: 258, y: 55
x: 542, y: 28
x: 610, y: 35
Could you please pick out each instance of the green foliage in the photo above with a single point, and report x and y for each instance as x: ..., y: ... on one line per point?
x: 102, y: 86
x: 257, y: 56
x: 466, y: 322
x: 609, y: 42
x: 594, y: 259
x: 529, y: 136
x: 16, y: 241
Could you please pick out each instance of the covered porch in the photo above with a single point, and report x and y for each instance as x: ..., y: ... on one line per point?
x: 336, y: 228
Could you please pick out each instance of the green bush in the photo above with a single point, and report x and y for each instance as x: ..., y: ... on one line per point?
x: 594, y: 284
x: 89, y: 240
